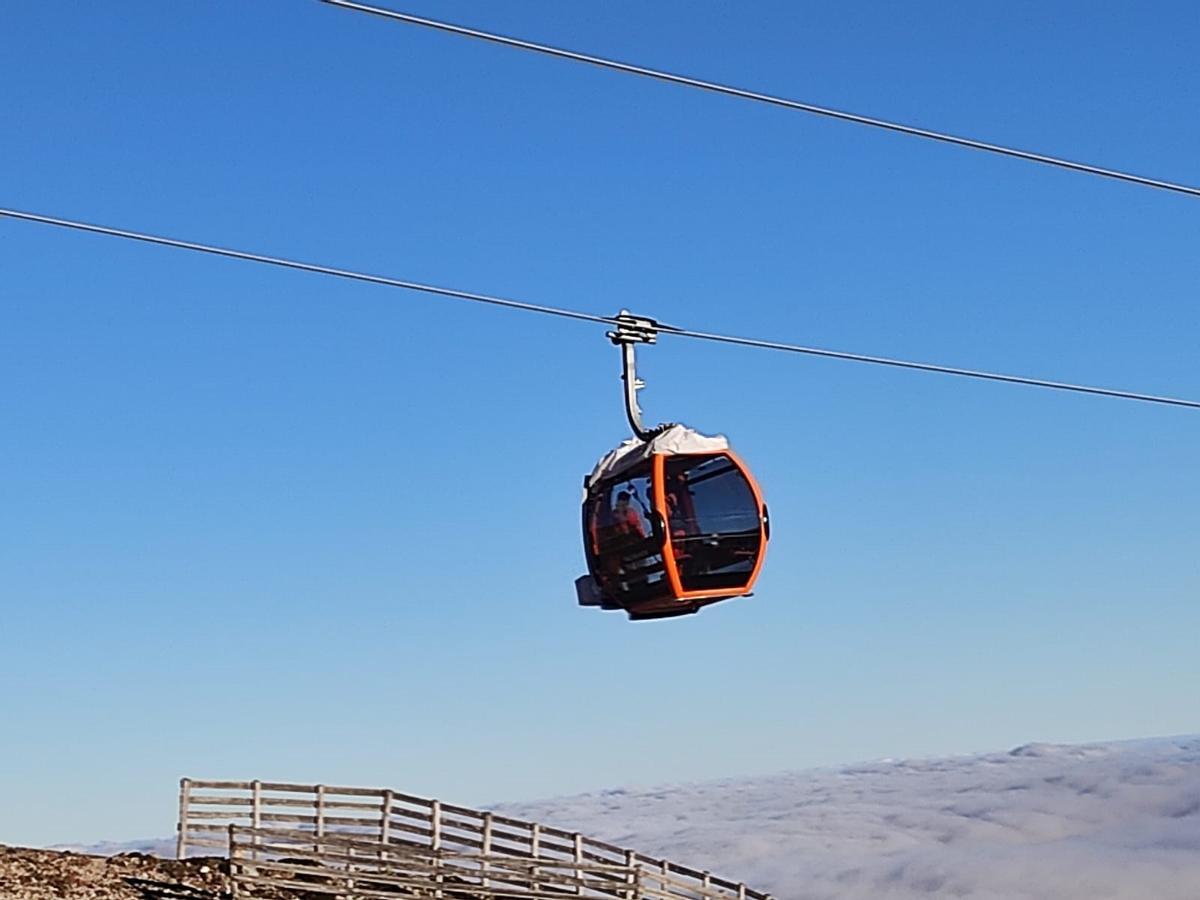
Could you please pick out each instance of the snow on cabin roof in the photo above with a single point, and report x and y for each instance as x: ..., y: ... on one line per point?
x: 672, y: 441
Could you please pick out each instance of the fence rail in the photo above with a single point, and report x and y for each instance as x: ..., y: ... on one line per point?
x: 261, y: 824
x: 352, y: 867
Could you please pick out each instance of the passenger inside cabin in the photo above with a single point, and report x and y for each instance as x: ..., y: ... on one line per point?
x: 679, y: 515
x: 626, y: 520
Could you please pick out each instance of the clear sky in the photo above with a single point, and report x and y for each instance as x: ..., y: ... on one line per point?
x: 256, y: 523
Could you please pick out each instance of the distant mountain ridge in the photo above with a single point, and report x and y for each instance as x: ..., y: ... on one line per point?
x: 151, y: 846
x: 1112, y: 821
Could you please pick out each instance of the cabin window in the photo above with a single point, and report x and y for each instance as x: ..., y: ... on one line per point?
x: 626, y: 550
x: 713, y: 521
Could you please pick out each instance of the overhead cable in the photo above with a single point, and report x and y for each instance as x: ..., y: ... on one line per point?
x: 302, y: 266
x: 771, y: 99
x: 930, y: 367
x: 561, y: 312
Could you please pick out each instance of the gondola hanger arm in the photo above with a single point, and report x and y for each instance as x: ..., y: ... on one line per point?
x: 632, y: 330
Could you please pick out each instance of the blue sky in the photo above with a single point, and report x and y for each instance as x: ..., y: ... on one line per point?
x: 264, y: 524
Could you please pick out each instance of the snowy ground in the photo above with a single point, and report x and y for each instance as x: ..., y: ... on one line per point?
x: 1065, y: 822
x: 1094, y: 822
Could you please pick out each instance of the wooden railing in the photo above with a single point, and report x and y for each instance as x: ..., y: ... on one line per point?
x: 352, y: 867
x: 327, y: 827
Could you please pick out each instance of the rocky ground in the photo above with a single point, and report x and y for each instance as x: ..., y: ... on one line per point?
x: 58, y: 875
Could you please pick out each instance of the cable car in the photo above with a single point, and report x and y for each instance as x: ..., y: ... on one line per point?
x: 672, y: 519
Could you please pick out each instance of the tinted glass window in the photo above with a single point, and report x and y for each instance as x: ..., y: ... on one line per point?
x: 713, y: 520
x: 627, y: 559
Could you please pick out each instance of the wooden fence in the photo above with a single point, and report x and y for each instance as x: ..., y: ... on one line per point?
x: 260, y: 822
x: 262, y: 861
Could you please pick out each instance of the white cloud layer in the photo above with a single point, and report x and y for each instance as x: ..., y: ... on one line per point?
x: 1114, y: 821
x: 1098, y: 822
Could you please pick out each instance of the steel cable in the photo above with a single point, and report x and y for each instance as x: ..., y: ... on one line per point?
x: 771, y: 99
x: 587, y: 317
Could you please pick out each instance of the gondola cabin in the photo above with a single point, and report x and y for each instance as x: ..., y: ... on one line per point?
x: 671, y: 525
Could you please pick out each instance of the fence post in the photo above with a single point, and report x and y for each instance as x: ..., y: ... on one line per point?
x: 631, y: 877
x: 185, y: 796
x: 385, y: 823
x: 578, y: 862
x: 486, y: 849
x: 320, y: 817
x: 435, y: 825
x: 256, y: 813
x: 535, y: 850
x: 233, y: 865
x: 435, y: 843
x: 349, y: 850
x: 741, y: 892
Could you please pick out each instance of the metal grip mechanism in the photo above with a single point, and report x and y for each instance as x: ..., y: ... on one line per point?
x: 632, y: 330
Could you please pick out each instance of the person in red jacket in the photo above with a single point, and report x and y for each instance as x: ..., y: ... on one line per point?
x: 626, y: 520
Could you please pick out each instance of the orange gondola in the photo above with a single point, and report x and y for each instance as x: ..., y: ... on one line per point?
x: 672, y: 520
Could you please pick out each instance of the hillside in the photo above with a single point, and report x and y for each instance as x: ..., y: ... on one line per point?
x: 60, y: 875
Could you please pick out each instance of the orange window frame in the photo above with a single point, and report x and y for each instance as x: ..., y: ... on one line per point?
x: 660, y: 505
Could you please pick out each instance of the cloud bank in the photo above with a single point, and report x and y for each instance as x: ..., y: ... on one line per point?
x: 1116, y: 821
